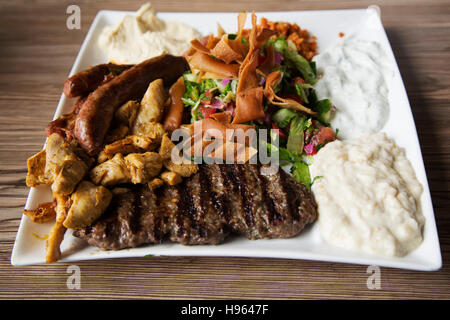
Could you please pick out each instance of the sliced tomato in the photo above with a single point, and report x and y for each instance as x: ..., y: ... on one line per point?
x: 299, y: 80
x: 208, y: 97
x: 324, y: 135
x: 207, y: 112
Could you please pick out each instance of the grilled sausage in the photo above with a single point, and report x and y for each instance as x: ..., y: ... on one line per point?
x: 96, y: 114
x: 86, y: 81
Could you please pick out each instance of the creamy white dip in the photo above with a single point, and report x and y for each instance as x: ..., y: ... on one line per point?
x: 143, y: 36
x: 356, y: 75
x: 368, y: 196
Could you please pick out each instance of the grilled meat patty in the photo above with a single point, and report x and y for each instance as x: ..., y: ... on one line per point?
x: 218, y: 200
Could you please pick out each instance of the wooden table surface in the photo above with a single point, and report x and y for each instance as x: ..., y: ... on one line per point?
x: 36, y: 54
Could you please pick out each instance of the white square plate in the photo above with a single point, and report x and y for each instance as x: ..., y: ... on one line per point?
x: 326, y: 25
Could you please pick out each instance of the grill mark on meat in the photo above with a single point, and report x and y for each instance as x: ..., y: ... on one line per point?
x: 235, y: 179
x: 274, y: 216
x: 259, y: 208
x: 169, y: 210
x: 245, y: 194
x: 207, y: 197
x: 159, y: 215
x: 150, y: 218
x: 228, y: 177
x: 182, y: 212
x: 220, y: 201
x: 210, y: 204
x: 200, y: 209
x: 115, y: 203
x: 291, y: 195
x: 136, y: 208
x: 204, y: 189
x: 231, y: 188
x: 186, y: 206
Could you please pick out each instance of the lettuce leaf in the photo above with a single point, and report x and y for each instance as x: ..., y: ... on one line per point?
x: 296, y: 136
x: 323, y: 108
x: 283, y: 116
x: 300, y: 172
x: 286, y: 48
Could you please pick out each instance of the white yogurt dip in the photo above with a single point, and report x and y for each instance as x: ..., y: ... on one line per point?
x: 368, y: 196
x: 143, y: 36
x: 356, y: 75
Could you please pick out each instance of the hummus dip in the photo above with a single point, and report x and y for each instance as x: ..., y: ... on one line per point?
x: 142, y: 36
x: 368, y: 196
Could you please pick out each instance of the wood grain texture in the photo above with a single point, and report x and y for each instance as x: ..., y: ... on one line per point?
x: 36, y: 54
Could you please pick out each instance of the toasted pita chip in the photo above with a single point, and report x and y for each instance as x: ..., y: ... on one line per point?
x: 220, y: 31
x: 211, y: 41
x: 233, y: 151
x: 197, y: 45
x: 206, y: 63
x: 247, y: 71
x: 268, y: 64
x: 271, y: 81
x: 224, y: 51
x: 249, y: 105
x: 222, y: 117
x: 263, y: 36
x: 242, y: 17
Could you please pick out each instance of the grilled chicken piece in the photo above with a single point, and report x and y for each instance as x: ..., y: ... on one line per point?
x: 143, y: 166
x: 183, y: 169
x: 155, y: 183
x: 88, y: 203
x: 45, y: 212
x: 63, y: 164
x: 171, y: 178
x: 165, y: 150
x: 152, y: 106
x: 130, y: 144
x: 111, y: 172
x: 126, y: 114
x: 117, y: 133
x: 36, y: 170
x: 122, y: 123
x: 134, y: 168
x: 205, y: 208
x: 153, y: 130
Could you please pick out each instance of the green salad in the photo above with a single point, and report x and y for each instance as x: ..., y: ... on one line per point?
x: 300, y: 135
